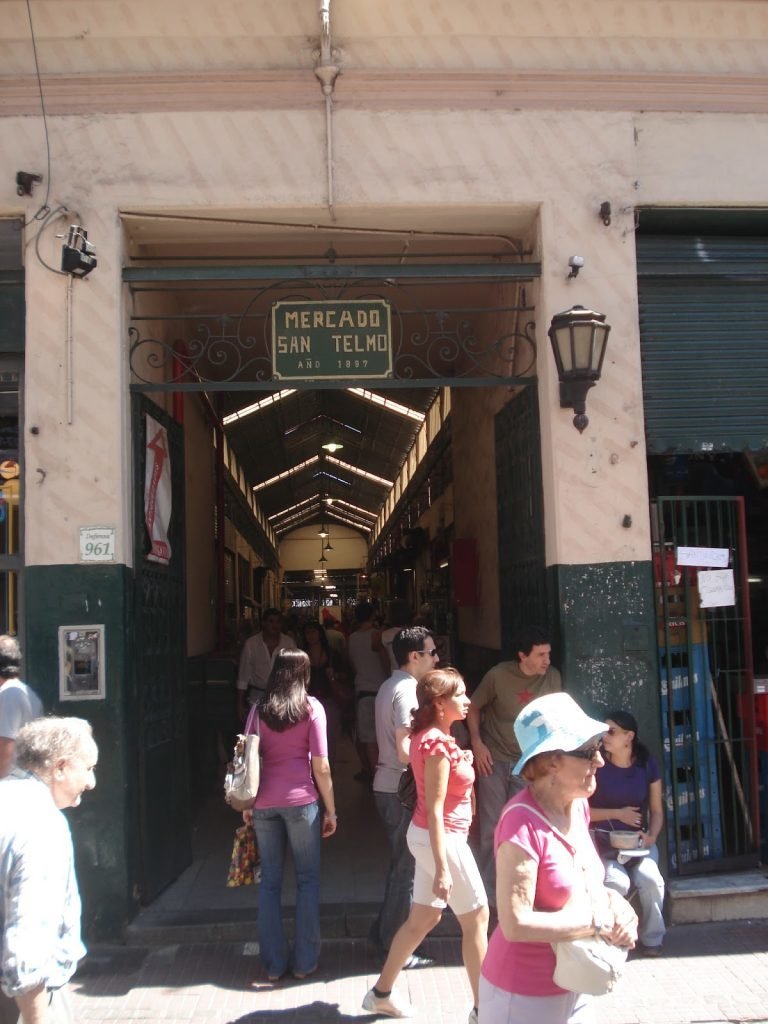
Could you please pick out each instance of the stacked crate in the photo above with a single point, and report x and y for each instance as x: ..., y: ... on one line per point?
x: 688, y: 723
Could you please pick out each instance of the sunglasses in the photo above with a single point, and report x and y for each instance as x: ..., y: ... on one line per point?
x: 585, y: 755
x: 434, y: 653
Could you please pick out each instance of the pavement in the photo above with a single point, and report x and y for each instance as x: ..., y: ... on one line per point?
x: 709, y: 973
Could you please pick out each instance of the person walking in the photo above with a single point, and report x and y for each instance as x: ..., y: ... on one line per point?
x: 549, y: 878
x: 502, y: 694
x: 258, y: 658
x: 40, y: 944
x: 445, y: 873
x: 295, y: 775
x: 19, y: 704
x: 415, y: 651
x: 628, y: 797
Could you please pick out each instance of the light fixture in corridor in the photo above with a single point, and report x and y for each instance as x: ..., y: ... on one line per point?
x: 578, y: 338
x: 332, y: 446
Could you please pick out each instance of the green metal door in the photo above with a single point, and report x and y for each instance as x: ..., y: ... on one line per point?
x: 160, y: 684
x: 706, y: 686
x: 522, y: 572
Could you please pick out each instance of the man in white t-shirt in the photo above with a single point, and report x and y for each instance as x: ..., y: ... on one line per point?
x: 400, y: 616
x: 415, y: 651
x: 19, y: 704
x: 258, y: 657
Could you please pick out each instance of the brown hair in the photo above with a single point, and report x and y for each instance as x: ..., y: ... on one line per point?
x: 537, y: 766
x: 285, y: 698
x: 439, y: 682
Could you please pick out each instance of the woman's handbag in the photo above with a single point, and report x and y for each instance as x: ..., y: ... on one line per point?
x: 243, y: 869
x: 406, y: 789
x: 590, y: 966
x: 241, y: 782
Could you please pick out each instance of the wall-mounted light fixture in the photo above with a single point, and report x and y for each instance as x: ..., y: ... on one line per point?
x: 578, y: 338
x: 575, y: 263
x: 605, y: 213
x: 78, y: 255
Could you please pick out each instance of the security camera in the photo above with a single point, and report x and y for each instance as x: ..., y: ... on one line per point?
x: 575, y: 263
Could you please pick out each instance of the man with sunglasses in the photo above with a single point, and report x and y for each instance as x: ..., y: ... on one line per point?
x: 502, y: 694
x: 415, y: 652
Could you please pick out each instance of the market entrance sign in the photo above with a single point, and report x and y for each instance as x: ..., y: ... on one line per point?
x: 324, y: 340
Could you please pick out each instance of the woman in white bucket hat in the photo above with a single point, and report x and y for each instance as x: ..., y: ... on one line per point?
x: 549, y: 884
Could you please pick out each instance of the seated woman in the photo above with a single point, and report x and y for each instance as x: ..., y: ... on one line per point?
x: 445, y: 873
x: 549, y: 879
x: 628, y: 797
x: 295, y: 774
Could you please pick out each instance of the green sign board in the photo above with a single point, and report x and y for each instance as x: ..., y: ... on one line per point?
x: 319, y: 340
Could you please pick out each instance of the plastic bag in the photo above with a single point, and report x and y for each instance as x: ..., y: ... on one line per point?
x: 244, y: 866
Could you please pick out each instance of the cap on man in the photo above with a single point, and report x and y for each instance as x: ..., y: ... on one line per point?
x: 39, y: 898
x: 502, y: 694
x: 19, y: 704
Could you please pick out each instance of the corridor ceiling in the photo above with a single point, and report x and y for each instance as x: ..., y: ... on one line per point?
x: 276, y: 436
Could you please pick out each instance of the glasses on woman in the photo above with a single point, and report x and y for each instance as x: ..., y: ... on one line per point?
x: 586, y: 755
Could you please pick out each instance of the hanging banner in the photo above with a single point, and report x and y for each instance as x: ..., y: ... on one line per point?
x: 157, y: 492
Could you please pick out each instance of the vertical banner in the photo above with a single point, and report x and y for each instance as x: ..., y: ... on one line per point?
x: 157, y: 492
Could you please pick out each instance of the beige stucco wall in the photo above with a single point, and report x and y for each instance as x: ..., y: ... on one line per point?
x: 493, y: 159
x: 300, y: 549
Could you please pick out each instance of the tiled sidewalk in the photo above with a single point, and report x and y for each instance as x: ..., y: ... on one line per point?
x: 709, y: 973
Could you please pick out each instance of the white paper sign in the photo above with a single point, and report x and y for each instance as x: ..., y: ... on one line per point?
x: 718, y: 558
x: 716, y: 588
x: 97, y: 543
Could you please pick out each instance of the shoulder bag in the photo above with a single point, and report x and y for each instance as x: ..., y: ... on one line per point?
x: 241, y: 782
x: 406, y: 789
x: 590, y: 966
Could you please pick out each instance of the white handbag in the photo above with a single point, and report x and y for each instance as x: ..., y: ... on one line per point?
x: 241, y: 782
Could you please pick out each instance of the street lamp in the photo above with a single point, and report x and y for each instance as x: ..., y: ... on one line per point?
x: 578, y: 338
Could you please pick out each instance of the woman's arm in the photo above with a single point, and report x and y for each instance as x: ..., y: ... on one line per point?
x: 655, y: 814
x: 436, y: 771
x: 321, y: 769
x: 516, y: 874
x: 629, y: 815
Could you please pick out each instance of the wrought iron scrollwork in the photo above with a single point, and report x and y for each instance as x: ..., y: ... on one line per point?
x: 428, y: 343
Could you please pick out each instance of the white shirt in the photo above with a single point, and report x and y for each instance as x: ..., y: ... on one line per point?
x: 394, y: 703
x: 19, y: 704
x: 256, y: 662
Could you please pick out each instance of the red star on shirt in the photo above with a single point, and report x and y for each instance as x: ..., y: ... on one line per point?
x: 525, y: 696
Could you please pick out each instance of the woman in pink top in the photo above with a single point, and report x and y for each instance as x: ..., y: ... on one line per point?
x: 446, y: 873
x: 549, y: 878
x: 294, y: 767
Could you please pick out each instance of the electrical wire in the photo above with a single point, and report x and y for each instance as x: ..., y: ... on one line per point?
x: 61, y: 209
x: 44, y: 208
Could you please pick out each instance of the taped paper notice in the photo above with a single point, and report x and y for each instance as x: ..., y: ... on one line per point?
x: 716, y: 588
x: 716, y: 557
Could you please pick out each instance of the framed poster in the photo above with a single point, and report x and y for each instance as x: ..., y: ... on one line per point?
x: 81, y: 663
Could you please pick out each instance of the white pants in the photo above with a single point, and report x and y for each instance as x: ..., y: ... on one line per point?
x: 642, y: 873
x: 500, y: 1007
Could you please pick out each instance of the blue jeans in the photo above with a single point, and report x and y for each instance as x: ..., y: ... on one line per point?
x: 301, y: 826
x: 642, y: 873
x: 398, y: 891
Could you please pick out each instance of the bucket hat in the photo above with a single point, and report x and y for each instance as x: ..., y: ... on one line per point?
x: 553, y: 722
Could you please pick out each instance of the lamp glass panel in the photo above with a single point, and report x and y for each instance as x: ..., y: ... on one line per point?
x: 563, y: 336
x: 583, y: 337
x: 601, y: 337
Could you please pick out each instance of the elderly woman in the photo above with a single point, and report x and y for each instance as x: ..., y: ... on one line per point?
x: 446, y: 873
x: 294, y: 756
x: 549, y: 879
x: 628, y: 797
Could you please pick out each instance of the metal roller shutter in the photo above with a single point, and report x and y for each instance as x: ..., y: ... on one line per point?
x: 704, y: 342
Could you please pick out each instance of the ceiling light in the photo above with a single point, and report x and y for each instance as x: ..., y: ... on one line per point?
x: 333, y: 446
x: 322, y: 532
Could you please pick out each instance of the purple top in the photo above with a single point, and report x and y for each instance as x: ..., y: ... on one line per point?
x: 286, y: 767
x: 622, y: 787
